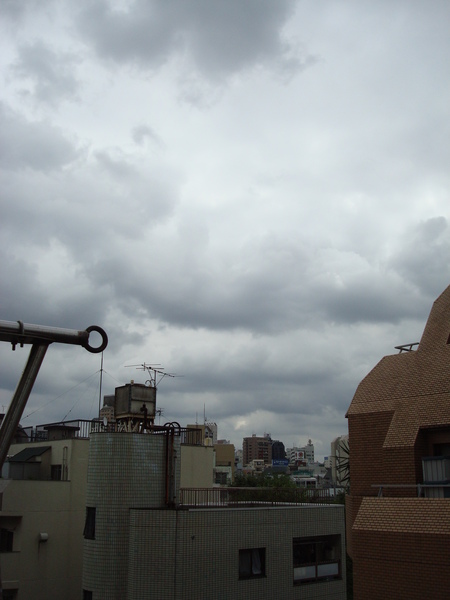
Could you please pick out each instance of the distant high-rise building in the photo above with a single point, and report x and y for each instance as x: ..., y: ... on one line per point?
x: 257, y: 448
x: 302, y: 454
x: 278, y: 450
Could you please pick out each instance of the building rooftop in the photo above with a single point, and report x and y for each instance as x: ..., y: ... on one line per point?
x: 413, y: 386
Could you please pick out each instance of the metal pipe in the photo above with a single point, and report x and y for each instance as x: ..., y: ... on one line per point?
x: 21, y: 333
x: 17, y: 406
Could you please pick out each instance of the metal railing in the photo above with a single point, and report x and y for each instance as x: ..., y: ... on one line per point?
x: 82, y: 429
x: 397, y: 488
x: 79, y: 428
x: 254, y: 496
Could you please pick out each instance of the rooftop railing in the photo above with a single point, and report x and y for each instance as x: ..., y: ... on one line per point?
x: 82, y: 429
x: 254, y: 496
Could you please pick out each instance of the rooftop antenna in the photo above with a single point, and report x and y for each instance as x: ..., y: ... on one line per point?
x: 100, y: 390
x: 159, y: 412
x: 156, y: 375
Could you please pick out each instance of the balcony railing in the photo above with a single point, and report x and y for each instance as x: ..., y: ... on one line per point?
x: 436, y: 481
x: 253, y: 496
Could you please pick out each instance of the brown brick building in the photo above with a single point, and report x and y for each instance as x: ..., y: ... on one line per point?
x: 398, y: 512
x: 255, y: 447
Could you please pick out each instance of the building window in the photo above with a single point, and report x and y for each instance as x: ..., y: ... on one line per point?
x: 87, y: 595
x: 6, y: 540
x: 252, y: 563
x: 317, y: 559
x: 56, y: 472
x: 89, y: 525
x: 221, y: 478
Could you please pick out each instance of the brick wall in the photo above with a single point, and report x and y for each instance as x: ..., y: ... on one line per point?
x: 401, y: 549
x: 401, y: 410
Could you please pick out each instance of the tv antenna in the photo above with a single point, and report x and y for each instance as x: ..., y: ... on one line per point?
x: 155, y: 372
x: 160, y: 413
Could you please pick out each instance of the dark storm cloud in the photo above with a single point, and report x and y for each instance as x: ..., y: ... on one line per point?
x: 36, y: 145
x: 220, y: 37
x: 260, y: 290
x: 50, y: 71
x: 18, y: 278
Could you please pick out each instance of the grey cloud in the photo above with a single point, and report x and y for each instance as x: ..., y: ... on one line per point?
x: 90, y: 209
x: 50, y: 71
x: 221, y: 37
x: 36, y: 145
x: 424, y: 256
x: 141, y: 133
x: 16, y: 11
x: 116, y: 166
x: 275, y: 286
x: 364, y: 300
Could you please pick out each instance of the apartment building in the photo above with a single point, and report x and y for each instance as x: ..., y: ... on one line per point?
x: 145, y: 537
x: 259, y: 448
x: 98, y: 510
x: 398, y: 511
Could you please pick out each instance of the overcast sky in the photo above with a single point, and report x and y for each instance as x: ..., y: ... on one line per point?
x: 253, y: 194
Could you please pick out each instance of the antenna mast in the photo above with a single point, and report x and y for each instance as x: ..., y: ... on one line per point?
x: 100, y: 390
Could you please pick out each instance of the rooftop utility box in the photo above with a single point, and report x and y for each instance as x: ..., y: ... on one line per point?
x: 132, y: 397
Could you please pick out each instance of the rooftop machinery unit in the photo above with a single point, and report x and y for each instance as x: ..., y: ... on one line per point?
x: 135, y: 404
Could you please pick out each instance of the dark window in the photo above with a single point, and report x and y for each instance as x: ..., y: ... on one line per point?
x: 252, y: 563
x: 87, y: 595
x: 316, y: 559
x: 6, y: 540
x: 56, y: 471
x: 221, y: 478
x: 89, y: 525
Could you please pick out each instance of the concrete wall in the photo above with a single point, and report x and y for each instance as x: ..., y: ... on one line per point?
x: 50, y: 570
x: 197, y: 466
x: 225, y: 456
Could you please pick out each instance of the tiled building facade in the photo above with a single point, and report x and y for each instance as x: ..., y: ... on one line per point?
x: 190, y: 554
x: 398, y: 512
x: 141, y: 541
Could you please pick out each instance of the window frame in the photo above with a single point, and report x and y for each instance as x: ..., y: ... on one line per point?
x: 252, y: 563
x: 56, y: 472
x: 317, y: 547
